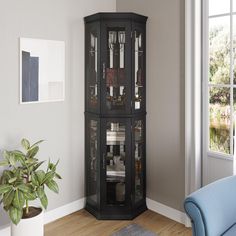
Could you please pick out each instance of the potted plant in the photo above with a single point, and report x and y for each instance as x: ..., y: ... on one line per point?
x: 21, y: 182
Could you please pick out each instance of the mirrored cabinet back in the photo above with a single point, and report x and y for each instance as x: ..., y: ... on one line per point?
x: 115, y: 111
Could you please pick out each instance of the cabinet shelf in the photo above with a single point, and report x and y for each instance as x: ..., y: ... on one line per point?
x: 116, y: 179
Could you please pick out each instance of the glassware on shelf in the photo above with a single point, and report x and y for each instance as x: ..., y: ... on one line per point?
x: 121, y: 38
x: 111, y: 162
x: 114, y: 126
x: 112, y: 38
x: 137, y: 101
x: 139, y: 41
x: 136, y: 151
x: 93, y: 44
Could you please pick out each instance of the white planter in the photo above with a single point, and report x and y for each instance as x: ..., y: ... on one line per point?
x: 29, y: 227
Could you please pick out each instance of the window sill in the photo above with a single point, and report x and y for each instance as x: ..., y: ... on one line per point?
x: 222, y: 156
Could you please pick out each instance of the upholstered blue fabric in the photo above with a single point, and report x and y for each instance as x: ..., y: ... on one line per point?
x: 212, y: 209
x: 231, y: 231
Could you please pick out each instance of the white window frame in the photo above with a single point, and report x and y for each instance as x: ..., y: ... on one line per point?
x: 207, y: 153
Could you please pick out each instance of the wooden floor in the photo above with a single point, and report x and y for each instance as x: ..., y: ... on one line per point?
x: 82, y: 223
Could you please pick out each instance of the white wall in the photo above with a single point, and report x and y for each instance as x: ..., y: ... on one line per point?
x: 165, y: 98
x: 61, y: 123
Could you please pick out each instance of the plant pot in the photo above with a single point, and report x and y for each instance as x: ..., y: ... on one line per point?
x: 29, y: 226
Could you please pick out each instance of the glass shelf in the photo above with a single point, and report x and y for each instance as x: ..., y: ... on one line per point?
x: 115, y: 162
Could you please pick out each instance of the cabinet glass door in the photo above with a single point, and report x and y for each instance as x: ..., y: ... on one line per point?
x: 115, y: 162
x: 139, y: 152
x: 116, y: 69
x: 139, y: 69
x: 92, y: 158
x: 92, y: 65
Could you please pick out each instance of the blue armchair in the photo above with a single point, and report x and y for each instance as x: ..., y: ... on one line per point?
x: 212, y: 209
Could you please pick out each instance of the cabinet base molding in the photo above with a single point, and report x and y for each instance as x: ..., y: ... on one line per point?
x: 122, y: 216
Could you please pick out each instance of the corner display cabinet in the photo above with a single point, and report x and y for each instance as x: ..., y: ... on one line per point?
x: 115, y: 110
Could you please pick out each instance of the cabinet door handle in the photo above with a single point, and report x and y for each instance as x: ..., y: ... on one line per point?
x: 104, y: 70
x: 104, y: 161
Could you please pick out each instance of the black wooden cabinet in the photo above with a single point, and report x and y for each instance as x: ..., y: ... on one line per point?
x: 115, y: 110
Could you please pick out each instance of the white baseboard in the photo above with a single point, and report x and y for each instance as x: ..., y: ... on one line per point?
x: 64, y: 210
x: 53, y: 214
x: 167, y: 211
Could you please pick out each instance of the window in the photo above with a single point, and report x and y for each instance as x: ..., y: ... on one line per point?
x: 220, y: 75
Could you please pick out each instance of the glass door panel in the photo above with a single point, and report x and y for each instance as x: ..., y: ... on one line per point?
x: 139, y: 143
x: 92, y: 66
x: 93, y: 158
x: 116, y: 68
x: 139, y: 73
x: 115, y: 71
x: 115, y: 161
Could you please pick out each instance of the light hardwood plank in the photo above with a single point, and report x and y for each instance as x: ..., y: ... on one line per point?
x: 82, y: 223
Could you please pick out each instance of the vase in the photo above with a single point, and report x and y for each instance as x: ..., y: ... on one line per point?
x: 33, y: 226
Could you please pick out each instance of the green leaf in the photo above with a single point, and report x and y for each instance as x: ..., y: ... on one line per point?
x: 18, y: 153
x: 19, y: 199
x: 44, y: 201
x: 8, y: 198
x: 6, y: 208
x: 19, y: 156
x: 5, y: 188
x: 40, y: 192
x: 32, y: 152
x: 52, y: 185
x: 4, y: 163
x: 15, y: 215
x: 52, y: 166
x: 25, y: 144
x: 12, y: 180
x: 34, y: 180
x: 58, y: 176
x: 38, y: 165
x: 12, y: 159
x: 6, y: 175
x: 19, y: 182
x: 31, y: 161
x: 30, y: 196
x: 18, y: 173
x: 6, y: 154
x: 50, y: 175
x: 36, y: 144
x: 40, y: 176
x: 24, y: 188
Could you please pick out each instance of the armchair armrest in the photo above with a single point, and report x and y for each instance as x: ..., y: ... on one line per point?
x: 196, y: 218
x: 212, y: 209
